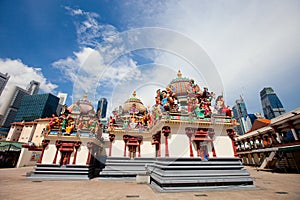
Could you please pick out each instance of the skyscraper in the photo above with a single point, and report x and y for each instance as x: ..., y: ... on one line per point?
x: 33, y: 87
x: 241, y: 115
x: 62, y: 101
x: 36, y: 106
x: 3, y: 80
x: 102, y: 108
x: 11, y: 105
x: 271, y: 104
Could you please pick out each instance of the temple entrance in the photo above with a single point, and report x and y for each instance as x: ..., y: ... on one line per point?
x: 65, y: 158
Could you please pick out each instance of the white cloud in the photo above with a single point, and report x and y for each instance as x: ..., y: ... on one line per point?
x: 21, y: 74
x: 253, y: 44
x: 87, y: 71
x: 90, y: 33
x: 74, y: 11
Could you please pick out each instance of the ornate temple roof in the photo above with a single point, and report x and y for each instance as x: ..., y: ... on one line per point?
x: 180, y: 84
x: 131, y: 101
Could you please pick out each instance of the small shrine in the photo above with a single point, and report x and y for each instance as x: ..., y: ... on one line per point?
x: 72, y: 144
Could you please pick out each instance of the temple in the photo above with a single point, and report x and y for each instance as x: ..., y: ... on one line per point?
x: 185, y: 141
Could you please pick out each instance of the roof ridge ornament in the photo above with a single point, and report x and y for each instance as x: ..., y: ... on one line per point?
x: 134, y: 93
x: 179, y: 74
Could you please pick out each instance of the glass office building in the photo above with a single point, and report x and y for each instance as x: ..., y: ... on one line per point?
x: 271, y: 105
x: 36, y: 106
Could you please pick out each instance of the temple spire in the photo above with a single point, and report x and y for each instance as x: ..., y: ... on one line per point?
x: 179, y: 74
x: 85, y: 96
x: 134, y: 93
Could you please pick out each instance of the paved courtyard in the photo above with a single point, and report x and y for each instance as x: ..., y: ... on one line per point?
x: 15, y: 186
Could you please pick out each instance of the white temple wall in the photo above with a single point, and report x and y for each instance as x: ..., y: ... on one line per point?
x: 37, y: 135
x: 49, y: 154
x: 117, y: 149
x: 14, y: 133
x: 223, y: 146
x: 178, y: 146
x: 28, y: 158
x: 27, y: 133
x: 147, y: 149
x: 82, y: 155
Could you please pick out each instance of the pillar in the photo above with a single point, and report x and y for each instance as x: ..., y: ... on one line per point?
x: 260, y: 142
x: 189, y: 132
x: 293, y: 131
x: 90, y: 148
x: 156, y: 142
x: 111, y: 139
x: 139, y: 139
x: 58, y: 145
x: 249, y: 143
x: 44, y: 145
x: 166, y: 131
x: 211, y: 135
x: 125, y: 139
x: 254, y: 142
x: 198, y: 145
x: 76, y: 145
x: 231, y: 135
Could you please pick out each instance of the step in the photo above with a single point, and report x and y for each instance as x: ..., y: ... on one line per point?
x: 60, y: 172
x: 199, y: 188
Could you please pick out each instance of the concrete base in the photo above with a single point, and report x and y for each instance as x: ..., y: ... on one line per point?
x: 192, y: 174
x: 143, y: 179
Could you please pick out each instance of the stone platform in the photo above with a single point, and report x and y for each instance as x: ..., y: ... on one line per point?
x: 275, y: 186
x: 193, y: 174
x: 56, y: 172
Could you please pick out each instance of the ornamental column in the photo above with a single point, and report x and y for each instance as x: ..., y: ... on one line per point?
x: 231, y: 135
x: 156, y: 141
x: 125, y: 139
x: 44, y: 145
x: 211, y: 135
x: 189, y: 132
x: 90, y: 148
x: 166, y: 131
x: 76, y: 145
x: 58, y: 145
x: 111, y: 139
x: 139, y: 139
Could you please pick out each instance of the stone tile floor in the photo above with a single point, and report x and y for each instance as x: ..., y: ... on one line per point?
x: 15, y: 186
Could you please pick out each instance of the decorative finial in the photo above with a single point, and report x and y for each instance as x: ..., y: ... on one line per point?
x: 85, y: 96
x: 179, y: 74
x: 134, y: 93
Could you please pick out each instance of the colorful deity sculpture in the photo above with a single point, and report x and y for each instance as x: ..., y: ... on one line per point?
x: 200, y: 112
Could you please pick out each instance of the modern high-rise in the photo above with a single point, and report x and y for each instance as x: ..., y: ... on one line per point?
x: 102, y: 108
x: 36, y: 106
x: 241, y: 115
x: 11, y: 105
x: 3, y: 80
x: 271, y: 105
x: 33, y: 87
x: 62, y: 101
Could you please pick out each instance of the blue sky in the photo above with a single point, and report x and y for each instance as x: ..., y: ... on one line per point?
x: 90, y: 46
